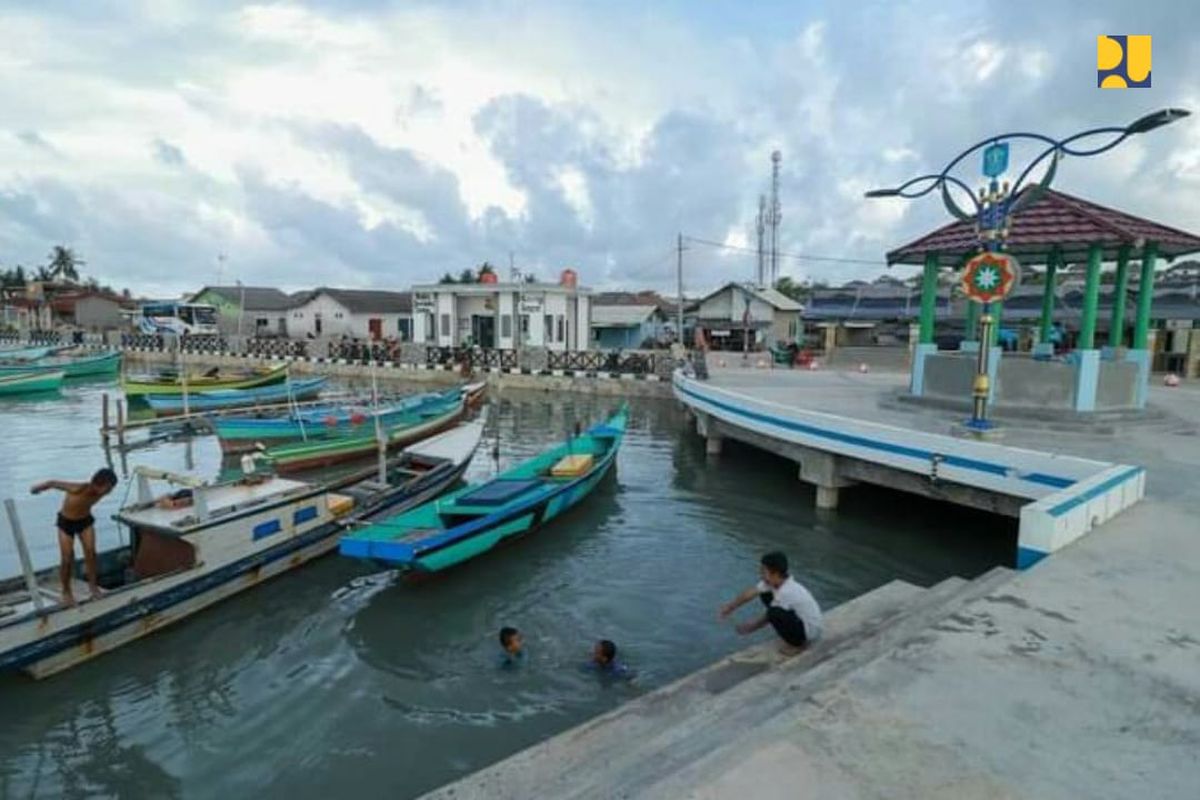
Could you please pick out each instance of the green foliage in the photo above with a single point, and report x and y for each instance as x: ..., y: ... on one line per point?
x: 447, y: 278
x: 64, y: 264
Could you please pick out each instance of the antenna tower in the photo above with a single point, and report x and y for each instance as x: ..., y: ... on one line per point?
x: 776, y: 215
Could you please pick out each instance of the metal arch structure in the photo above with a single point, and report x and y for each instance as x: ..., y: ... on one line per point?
x: 1056, y: 149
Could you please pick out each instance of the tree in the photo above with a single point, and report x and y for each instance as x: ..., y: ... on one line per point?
x: 530, y: 278
x: 486, y: 269
x: 447, y: 278
x: 64, y: 264
x: 467, y: 276
x: 786, y: 286
x: 43, y: 274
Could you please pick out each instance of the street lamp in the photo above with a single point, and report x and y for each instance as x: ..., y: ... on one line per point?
x: 990, y: 275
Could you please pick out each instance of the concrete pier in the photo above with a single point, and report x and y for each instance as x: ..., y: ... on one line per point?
x: 1078, y: 677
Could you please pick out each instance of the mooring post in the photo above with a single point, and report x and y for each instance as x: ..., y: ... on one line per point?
x: 104, y: 417
x: 26, y: 565
x: 121, y: 423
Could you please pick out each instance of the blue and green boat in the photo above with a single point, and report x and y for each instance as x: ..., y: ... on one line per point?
x: 473, y: 520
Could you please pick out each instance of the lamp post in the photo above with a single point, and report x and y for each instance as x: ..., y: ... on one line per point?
x: 991, y: 274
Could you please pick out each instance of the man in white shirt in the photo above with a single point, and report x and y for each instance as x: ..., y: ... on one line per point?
x: 791, y: 609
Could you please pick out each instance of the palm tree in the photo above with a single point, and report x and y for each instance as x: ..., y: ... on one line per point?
x: 64, y: 264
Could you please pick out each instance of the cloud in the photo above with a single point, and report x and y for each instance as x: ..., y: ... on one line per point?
x: 365, y: 144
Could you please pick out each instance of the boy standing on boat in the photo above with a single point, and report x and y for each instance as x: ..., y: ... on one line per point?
x: 75, y: 519
x: 791, y: 609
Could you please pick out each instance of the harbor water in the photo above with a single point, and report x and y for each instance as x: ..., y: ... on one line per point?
x: 340, y: 676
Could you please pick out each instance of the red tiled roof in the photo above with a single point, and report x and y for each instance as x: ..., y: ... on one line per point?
x: 1059, y: 219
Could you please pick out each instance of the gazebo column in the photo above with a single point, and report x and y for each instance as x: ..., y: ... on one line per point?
x: 1088, y: 375
x: 1045, y: 342
x: 970, y: 342
x: 1116, y: 331
x: 1141, y: 353
x: 925, y: 344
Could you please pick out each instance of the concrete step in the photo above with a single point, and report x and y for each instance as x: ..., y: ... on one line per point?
x: 582, y: 756
x: 700, y: 760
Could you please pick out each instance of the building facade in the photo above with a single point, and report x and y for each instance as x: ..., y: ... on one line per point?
x: 742, y: 316
x: 355, y: 313
x: 502, y: 315
x: 248, y: 310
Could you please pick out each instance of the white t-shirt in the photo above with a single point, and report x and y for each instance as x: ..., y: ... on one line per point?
x: 793, y: 597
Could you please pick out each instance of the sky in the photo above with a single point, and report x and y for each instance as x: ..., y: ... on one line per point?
x: 178, y: 143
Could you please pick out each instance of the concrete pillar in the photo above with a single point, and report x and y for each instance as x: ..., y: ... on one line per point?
x: 712, y: 444
x: 823, y: 471
x: 830, y: 343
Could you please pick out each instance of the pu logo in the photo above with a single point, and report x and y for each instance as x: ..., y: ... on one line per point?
x: 1123, y: 62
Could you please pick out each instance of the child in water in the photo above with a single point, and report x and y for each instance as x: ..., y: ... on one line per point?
x: 604, y: 661
x: 513, y: 645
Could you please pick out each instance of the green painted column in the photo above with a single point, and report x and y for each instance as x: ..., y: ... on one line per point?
x: 997, y: 312
x: 1091, y: 299
x: 928, y: 297
x: 1116, y: 331
x: 972, y: 321
x: 1141, y: 325
x: 1047, y: 322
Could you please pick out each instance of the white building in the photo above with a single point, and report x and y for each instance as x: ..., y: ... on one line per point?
x: 737, y: 311
x: 358, y: 313
x: 556, y: 316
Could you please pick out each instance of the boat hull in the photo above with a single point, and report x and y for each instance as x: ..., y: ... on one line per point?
x: 175, y: 598
x: 104, y: 364
x: 318, y: 454
x: 209, y: 400
x: 139, y: 388
x: 31, y: 382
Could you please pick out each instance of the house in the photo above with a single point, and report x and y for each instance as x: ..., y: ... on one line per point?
x: 737, y: 310
x: 631, y: 320
x: 491, y: 314
x: 248, y: 310
x: 358, y: 313
x: 92, y: 310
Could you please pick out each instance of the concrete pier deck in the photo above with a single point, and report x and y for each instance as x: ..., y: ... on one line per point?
x: 1079, y: 677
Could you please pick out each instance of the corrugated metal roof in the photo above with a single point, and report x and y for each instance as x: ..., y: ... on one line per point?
x: 1059, y: 219
x: 621, y: 316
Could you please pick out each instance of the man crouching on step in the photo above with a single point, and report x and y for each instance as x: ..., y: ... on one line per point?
x: 791, y: 609
x: 75, y: 519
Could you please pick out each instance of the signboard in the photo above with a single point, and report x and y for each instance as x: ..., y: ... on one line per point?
x: 531, y: 303
x: 990, y: 277
x: 424, y: 303
x: 995, y: 159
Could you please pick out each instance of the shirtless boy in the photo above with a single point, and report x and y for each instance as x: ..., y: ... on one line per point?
x: 75, y: 519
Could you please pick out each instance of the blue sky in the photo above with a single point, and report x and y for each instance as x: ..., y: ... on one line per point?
x: 380, y: 144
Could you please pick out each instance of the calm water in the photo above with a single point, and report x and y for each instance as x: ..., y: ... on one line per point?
x: 337, y: 676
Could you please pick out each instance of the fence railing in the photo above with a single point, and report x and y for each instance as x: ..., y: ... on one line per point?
x: 475, y: 357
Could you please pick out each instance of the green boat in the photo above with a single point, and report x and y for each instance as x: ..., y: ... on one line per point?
x: 413, y: 426
x: 72, y: 366
x: 136, y: 386
x: 475, y: 519
x: 31, y: 381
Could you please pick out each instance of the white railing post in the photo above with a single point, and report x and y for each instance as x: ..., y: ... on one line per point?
x: 35, y: 594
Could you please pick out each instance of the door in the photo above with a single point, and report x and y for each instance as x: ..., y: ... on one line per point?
x: 483, y: 330
x: 375, y: 328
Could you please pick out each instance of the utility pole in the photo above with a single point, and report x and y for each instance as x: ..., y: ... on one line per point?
x: 776, y: 215
x: 679, y: 290
x: 761, y: 225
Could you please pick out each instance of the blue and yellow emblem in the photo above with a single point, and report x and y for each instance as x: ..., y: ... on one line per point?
x: 1123, y: 62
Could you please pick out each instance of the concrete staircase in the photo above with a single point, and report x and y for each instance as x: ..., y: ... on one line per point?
x: 659, y: 744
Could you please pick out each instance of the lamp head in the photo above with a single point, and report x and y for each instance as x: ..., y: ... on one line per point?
x: 882, y: 193
x: 1157, y: 119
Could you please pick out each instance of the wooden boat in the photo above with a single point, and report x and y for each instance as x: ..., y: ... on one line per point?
x: 25, y: 353
x: 473, y: 520
x: 138, y: 386
x: 72, y: 366
x: 30, y: 381
x: 238, y: 434
x: 299, y: 389
x: 189, y: 549
x: 412, y: 426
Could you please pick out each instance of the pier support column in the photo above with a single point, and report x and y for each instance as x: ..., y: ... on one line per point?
x: 706, y: 427
x: 712, y: 445
x: 823, y: 471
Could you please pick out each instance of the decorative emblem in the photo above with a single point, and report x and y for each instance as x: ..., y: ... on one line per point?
x: 990, y: 277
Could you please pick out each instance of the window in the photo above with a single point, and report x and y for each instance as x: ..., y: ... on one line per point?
x: 506, y: 326
x: 561, y: 323
x: 547, y: 329
x: 404, y: 328
x: 446, y: 325
x: 524, y: 326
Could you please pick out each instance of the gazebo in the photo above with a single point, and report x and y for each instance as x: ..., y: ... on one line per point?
x: 1055, y: 230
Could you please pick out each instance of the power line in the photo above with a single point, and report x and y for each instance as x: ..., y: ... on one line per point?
x: 795, y: 256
